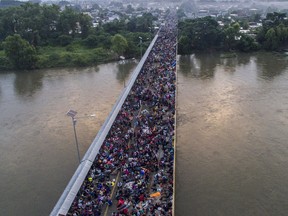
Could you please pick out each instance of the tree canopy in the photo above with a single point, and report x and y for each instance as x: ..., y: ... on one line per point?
x: 20, y: 53
x: 40, y: 29
x: 205, y: 33
x: 119, y: 44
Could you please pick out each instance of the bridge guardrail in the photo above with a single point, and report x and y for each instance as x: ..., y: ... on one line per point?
x: 65, y: 201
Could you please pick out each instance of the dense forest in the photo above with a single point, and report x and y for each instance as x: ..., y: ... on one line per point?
x: 207, y: 34
x: 35, y: 36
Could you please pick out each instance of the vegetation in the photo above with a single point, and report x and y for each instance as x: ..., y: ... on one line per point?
x: 119, y: 44
x: 34, y: 36
x: 199, y: 34
x: 19, y: 52
x: 206, y: 34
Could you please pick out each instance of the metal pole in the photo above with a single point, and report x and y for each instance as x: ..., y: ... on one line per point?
x: 76, y: 140
x: 140, y: 46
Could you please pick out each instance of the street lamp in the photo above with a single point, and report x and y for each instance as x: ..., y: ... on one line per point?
x: 72, y: 114
x: 141, y: 40
x: 141, y: 46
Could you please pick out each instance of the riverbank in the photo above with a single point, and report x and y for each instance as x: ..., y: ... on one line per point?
x: 61, y: 57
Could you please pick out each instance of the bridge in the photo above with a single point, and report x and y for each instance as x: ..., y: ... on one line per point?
x: 129, y: 167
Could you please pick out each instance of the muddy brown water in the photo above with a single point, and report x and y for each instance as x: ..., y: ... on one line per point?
x: 37, y: 147
x: 232, y: 143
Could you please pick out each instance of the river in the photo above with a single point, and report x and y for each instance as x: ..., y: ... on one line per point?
x: 37, y: 147
x: 232, y: 143
x: 231, y: 133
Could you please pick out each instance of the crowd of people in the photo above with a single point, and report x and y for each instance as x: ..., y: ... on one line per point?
x: 136, y: 159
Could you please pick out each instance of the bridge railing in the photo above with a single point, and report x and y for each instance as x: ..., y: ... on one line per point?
x: 65, y: 201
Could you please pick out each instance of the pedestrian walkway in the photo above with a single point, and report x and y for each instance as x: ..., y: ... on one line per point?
x: 133, y: 172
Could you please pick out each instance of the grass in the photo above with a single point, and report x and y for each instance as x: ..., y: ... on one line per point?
x: 72, y: 55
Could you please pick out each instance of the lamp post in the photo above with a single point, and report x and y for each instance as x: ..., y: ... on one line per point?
x: 140, y: 46
x: 72, y: 114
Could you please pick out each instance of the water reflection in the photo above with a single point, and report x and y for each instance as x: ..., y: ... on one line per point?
x: 96, y: 68
x: 186, y: 64
x: 231, y: 61
x: 231, y: 140
x: 243, y: 58
x: 124, y: 69
x: 203, y: 66
x: 26, y: 83
x: 36, y: 129
x: 269, y: 66
x: 199, y: 65
x: 92, y: 69
x: 229, y: 64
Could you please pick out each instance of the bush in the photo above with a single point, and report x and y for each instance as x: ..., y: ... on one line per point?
x: 54, y: 57
x: 44, y: 62
x: 80, y: 61
x: 65, y: 40
x: 91, y: 41
x: 67, y: 57
x: 20, y: 53
x: 70, y: 48
x: 100, y: 55
x: 5, y: 63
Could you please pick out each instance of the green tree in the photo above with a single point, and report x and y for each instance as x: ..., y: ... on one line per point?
x: 272, y: 41
x: 131, y: 25
x: 119, y: 44
x: 30, y: 23
x: 91, y: 41
x: 244, y: 24
x: 68, y: 22
x: 184, y: 45
x: 49, y: 19
x: 85, y: 22
x: 35, y: 23
x: 274, y: 32
x: 231, y: 33
x: 247, y: 43
x: 65, y: 40
x: 282, y: 33
x: 9, y: 21
x: 19, y: 52
x: 200, y: 34
x: 145, y: 22
x: 276, y: 17
x: 115, y: 26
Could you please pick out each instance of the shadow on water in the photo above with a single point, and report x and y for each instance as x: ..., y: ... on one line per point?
x: 96, y: 69
x: 199, y: 65
x: 76, y: 70
x: 243, y: 58
x: 269, y: 66
x: 232, y: 139
x: 230, y: 63
x: 27, y: 83
x: 124, y: 69
x: 203, y: 65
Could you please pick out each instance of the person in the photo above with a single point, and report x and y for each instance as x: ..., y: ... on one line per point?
x: 142, y: 132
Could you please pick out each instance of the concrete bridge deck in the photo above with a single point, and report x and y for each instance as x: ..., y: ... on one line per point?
x: 153, y: 95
